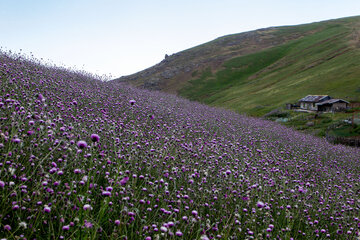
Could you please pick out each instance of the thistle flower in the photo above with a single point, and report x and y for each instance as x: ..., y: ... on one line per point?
x: 194, y: 212
x: 41, y: 97
x: 7, y: 227
x: 87, y: 207
x: 47, y: 209
x: 124, y: 180
x: 204, y: 237
x: 260, y: 204
x: 88, y: 224
x: 66, y: 228
x: 302, y: 190
x: 106, y: 193
x: 94, y: 137
x: 81, y: 144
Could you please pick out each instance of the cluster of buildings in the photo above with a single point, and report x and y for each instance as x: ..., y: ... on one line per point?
x: 320, y: 103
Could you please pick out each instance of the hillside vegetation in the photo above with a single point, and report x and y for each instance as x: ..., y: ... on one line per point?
x: 256, y: 72
x: 85, y: 159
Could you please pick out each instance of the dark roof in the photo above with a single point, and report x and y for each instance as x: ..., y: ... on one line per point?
x: 313, y: 98
x: 332, y: 101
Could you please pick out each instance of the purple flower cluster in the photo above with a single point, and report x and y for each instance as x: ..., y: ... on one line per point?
x: 81, y: 159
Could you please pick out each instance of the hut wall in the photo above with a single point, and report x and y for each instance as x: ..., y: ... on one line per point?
x: 339, y: 106
x: 325, y: 108
x: 308, y: 105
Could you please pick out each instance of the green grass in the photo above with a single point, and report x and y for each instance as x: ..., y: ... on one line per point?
x: 235, y: 74
x: 325, y: 62
x: 346, y: 131
x: 317, y: 124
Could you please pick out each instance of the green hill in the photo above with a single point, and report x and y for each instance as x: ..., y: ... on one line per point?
x: 256, y: 72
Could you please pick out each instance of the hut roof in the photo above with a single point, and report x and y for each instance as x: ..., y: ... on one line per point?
x: 313, y: 98
x: 331, y: 101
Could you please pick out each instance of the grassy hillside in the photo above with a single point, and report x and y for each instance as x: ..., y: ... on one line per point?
x: 317, y: 58
x: 175, y: 70
x: 325, y: 62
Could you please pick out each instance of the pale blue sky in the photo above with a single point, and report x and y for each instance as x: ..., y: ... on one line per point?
x: 122, y: 37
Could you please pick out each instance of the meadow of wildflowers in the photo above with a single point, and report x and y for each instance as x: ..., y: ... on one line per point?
x: 82, y: 158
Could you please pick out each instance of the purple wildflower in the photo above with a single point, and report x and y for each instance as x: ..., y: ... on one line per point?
x: 88, y: 224
x: 81, y: 144
x: 87, y: 207
x: 94, y: 137
x: 66, y: 227
x: 260, y: 204
x: 7, y: 227
x: 106, y: 193
x: 47, y: 209
x: 41, y: 97
x: 124, y: 180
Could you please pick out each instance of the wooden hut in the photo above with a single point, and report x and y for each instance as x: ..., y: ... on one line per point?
x: 309, y: 102
x: 332, y: 105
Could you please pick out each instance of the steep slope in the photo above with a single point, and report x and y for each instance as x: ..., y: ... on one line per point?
x: 257, y: 71
x: 86, y: 159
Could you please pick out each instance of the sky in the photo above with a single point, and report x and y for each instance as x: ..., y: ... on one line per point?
x: 121, y: 37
